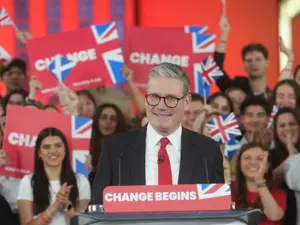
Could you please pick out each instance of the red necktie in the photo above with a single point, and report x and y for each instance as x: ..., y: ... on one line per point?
x: 164, y: 166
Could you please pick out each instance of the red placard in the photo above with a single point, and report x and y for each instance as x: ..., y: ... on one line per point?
x: 184, y: 46
x: 21, y: 134
x: 81, y: 59
x: 167, y: 198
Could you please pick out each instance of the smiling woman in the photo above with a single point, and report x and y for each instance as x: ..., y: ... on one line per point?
x: 53, y: 193
x: 252, y: 188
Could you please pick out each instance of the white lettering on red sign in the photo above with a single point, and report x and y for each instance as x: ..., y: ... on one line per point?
x: 129, y: 197
x: 20, y: 139
x: 175, y: 196
x: 80, y: 56
x: 150, y: 196
x: 155, y: 58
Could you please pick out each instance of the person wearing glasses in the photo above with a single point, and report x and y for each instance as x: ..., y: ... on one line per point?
x: 162, y: 152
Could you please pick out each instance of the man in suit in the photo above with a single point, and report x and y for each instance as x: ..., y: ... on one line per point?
x: 162, y: 152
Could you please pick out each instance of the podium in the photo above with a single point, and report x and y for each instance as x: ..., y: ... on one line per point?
x: 235, y: 217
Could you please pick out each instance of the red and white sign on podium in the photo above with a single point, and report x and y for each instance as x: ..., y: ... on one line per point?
x: 167, y: 198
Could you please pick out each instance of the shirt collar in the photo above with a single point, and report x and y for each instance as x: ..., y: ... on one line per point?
x: 153, y: 137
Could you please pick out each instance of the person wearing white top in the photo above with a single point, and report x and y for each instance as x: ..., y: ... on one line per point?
x: 53, y: 193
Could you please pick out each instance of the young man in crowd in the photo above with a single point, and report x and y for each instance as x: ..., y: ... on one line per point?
x: 255, y: 112
x: 255, y: 59
x: 14, y: 75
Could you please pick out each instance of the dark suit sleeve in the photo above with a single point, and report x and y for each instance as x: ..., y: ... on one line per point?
x: 224, y: 82
x: 218, y: 170
x: 103, y: 176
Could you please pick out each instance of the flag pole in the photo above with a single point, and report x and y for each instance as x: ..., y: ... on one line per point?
x: 224, y: 7
x: 204, y: 93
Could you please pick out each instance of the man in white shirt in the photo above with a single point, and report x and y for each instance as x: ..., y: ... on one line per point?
x: 163, y: 152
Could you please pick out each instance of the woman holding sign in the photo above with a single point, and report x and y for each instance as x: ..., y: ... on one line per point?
x: 53, y: 193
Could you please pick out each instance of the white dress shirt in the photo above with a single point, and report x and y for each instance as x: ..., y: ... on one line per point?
x: 152, y: 148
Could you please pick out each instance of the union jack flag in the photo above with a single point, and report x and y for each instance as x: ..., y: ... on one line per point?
x: 206, y: 191
x: 81, y: 135
x: 61, y: 67
x: 198, y: 81
x: 5, y: 20
x: 113, y: 59
x: 203, y: 43
x: 231, y: 148
x: 210, y: 71
x: 105, y: 32
x: 275, y: 109
x: 79, y: 158
x: 195, y: 29
x: 223, y: 128
x: 81, y: 127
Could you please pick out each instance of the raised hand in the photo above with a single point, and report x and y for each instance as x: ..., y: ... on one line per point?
x: 68, y: 99
x: 224, y: 27
x: 289, y: 145
x: 263, y: 168
x: 285, y: 50
x: 127, y: 72
x: 34, y: 84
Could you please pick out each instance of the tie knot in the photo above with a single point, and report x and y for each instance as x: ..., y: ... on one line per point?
x: 164, y: 142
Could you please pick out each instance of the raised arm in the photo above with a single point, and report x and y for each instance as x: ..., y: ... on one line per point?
x: 224, y: 82
x: 287, y: 72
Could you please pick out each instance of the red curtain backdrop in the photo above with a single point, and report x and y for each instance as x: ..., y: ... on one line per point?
x: 296, y: 38
x: 251, y: 21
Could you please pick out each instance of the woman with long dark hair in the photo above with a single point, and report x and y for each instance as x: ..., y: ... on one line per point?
x: 251, y: 188
x: 286, y: 93
x: 53, y: 193
x: 108, y: 120
x: 287, y: 143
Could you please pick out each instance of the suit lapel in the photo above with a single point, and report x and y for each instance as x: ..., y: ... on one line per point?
x: 187, y: 159
x: 137, y: 158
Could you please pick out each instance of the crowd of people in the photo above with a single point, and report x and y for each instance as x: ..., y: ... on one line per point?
x: 262, y: 172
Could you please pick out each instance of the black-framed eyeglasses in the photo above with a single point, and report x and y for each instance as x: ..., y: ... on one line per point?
x: 170, y: 101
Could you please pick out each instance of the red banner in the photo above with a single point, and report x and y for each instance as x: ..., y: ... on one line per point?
x: 21, y: 134
x: 184, y: 46
x: 81, y: 59
x: 168, y: 198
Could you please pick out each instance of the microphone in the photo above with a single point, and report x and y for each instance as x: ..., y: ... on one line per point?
x: 120, y: 169
x: 206, y: 169
x: 160, y: 159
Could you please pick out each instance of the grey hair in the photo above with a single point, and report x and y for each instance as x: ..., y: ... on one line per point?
x: 171, y: 70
